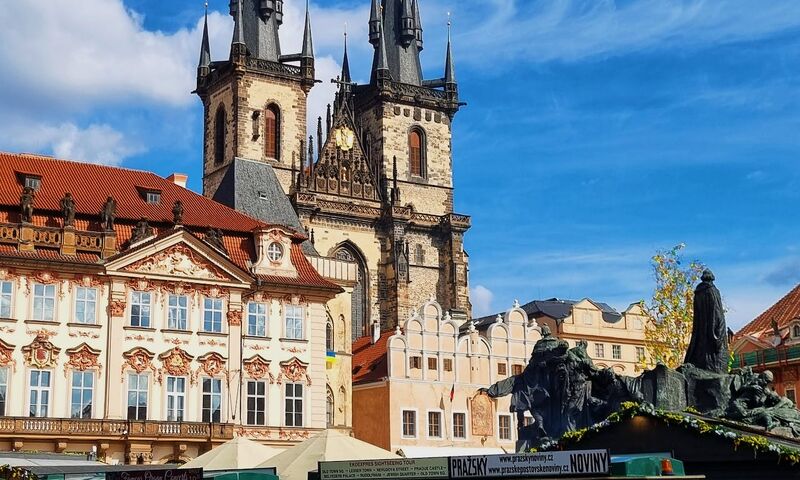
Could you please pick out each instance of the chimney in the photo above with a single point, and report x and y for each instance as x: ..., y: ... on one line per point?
x: 179, y: 179
x: 376, y: 332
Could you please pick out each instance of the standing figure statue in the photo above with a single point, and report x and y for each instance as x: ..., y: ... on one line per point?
x: 109, y: 213
x: 708, y: 349
x: 26, y: 204
x: 177, y: 213
x: 68, y: 210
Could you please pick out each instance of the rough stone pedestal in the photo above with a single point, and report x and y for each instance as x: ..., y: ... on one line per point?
x: 664, y: 388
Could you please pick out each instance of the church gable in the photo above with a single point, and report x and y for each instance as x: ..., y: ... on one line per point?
x: 343, y: 168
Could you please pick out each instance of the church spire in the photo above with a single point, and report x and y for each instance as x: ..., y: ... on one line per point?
x: 204, y: 65
x: 345, y: 62
x: 308, y: 43
x: 307, y: 53
x: 449, y: 67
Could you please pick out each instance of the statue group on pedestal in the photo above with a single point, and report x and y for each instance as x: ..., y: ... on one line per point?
x: 563, y: 390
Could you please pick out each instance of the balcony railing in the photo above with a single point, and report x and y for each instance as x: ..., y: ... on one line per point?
x: 71, y: 427
x: 769, y: 356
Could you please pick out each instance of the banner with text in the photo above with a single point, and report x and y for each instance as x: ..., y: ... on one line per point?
x: 578, y: 462
x: 394, y: 468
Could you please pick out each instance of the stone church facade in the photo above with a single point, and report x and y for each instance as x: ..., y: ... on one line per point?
x: 372, y: 186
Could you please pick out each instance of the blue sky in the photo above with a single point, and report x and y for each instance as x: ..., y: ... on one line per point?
x: 597, y: 131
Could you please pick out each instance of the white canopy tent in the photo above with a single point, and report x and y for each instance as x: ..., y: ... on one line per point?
x: 330, y: 445
x: 233, y: 454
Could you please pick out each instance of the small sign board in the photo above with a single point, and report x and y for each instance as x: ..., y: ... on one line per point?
x: 392, y: 468
x: 552, y: 464
x: 166, y: 474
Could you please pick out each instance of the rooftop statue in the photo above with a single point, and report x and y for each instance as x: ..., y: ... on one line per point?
x: 563, y: 390
x: 67, y: 205
x: 109, y: 213
x: 26, y: 204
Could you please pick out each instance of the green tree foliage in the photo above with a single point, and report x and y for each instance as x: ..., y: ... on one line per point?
x: 668, y: 324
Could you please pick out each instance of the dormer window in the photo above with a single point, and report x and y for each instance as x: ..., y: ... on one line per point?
x: 796, y: 330
x: 152, y: 197
x: 33, y: 182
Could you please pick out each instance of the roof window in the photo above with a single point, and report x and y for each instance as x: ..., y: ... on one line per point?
x: 152, y: 197
x: 33, y: 182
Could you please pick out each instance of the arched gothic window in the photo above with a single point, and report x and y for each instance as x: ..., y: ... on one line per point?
x: 219, y: 136
x: 359, y: 300
x: 330, y: 412
x: 329, y: 344
x: 416, y: 152
x: 272, y: 129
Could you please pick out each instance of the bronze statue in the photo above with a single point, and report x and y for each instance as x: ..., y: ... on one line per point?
x: 563, y: 390
x: 109, y: 213
x: 68, y: 210
x: 26, y: 204
x: 708, y: 349
x: 141, y: 231
x: 177, y: 213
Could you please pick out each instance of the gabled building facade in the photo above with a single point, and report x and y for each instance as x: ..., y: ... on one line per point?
x: 416, y: 387
x: 373, y: 185
x: 148, y: 323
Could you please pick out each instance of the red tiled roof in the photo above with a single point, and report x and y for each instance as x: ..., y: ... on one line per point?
x: 369, y: 359
x: 784, y: 311
x: 91, y: 184
x: 307, y: 275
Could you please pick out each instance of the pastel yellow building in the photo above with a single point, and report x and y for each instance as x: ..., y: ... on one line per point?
x: 615, y: 339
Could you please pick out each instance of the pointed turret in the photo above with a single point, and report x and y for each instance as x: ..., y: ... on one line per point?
x: 449, y: 67
x: 380, y: 65
x: 308, y: 43
x: 346, y: 78
x: 238, y: 45
x: 204, y: 65
x: 307, y: 53
x: 374, y: 22
x: 418, y: 25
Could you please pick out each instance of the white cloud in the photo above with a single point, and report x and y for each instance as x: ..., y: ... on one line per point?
x: 97, y: 143
x: 96, y: 54
x: 481, y: 301
x: 572, y: 30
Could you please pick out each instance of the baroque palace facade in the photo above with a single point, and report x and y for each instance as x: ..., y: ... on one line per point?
x: 374, y: 186
x: 151, y: 323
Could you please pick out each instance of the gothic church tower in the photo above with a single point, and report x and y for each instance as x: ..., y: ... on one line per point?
x: 373, y: 185
x: 255, y: 102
